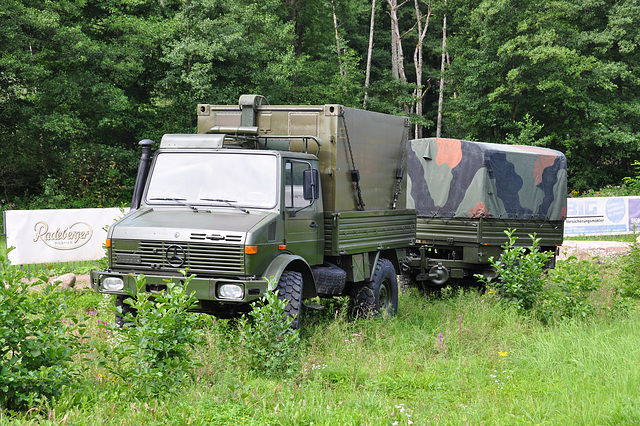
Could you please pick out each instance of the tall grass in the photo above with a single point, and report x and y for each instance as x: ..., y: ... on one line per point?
x: 460, y: 359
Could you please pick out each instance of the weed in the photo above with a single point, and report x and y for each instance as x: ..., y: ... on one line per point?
x: 520, y: 272
x: 568, y: 294
x: 38, y: 339
x: 270, y: 346
x: 150, y: 355
x: 630, y: 279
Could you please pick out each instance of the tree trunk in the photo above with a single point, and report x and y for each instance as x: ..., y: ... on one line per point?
x: 441, y: 94
x: 335, y: 26
x: 369, y: 54
x: 397, y: 56
x: 296, y: 12
x: 418, y: 62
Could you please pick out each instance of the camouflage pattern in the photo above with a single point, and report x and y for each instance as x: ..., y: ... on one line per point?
x: 456, y: 178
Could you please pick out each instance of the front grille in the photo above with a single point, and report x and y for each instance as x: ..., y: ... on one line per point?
x: 200, y: 258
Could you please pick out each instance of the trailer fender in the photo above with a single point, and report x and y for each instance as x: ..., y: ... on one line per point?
x: 291, y: 262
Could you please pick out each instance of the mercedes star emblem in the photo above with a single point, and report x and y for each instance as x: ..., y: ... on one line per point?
x: 176, y: 256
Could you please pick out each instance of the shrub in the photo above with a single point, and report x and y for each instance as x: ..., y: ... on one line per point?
x: 568, y: 294
x: 630, y: 279
x: 520, y: 272
x: 151, y: 355
x: 270, y: 346
x: 37, y: 339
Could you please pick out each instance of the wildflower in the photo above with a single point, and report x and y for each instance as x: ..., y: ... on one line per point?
x: 503, y: 353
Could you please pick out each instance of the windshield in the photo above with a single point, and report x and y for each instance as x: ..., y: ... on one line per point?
x: 214, y: 178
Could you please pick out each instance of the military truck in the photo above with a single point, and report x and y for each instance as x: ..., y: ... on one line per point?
x: 315, y: 201
x: 308, y: 200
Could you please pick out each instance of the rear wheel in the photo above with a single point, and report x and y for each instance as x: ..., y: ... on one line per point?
x: 290, y: 289
x: 380, y: 293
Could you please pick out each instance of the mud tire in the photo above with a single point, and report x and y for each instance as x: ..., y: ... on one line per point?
x: 125, y: 309
x: 330, y: 279
x: 290, y: 289
x: 379, y: 294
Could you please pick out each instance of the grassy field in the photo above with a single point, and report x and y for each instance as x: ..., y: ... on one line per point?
x: 464, y: 358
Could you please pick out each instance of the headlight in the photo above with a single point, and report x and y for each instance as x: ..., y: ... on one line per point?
x: 112, y: 284
x: 231, y: 291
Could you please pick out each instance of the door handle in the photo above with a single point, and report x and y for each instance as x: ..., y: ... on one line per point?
x: 313, y: 225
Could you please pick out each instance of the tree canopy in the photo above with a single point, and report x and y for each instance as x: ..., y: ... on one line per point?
x: 81, y: 81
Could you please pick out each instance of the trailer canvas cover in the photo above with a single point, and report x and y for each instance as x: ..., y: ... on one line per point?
x: 456, y: 178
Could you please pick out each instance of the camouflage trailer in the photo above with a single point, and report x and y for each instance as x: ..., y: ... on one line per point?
x: 466, y: 194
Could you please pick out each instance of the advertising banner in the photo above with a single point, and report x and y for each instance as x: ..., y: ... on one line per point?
x: 602, y: 216
x: 49, y: 236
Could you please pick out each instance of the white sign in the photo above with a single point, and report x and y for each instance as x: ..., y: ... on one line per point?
x: 49, y: 236
x: 602, y: 216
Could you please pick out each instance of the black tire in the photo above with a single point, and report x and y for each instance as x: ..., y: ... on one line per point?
x: 125, y: 307
x: 290, y: 289
x: 330, y: 279
x: 380, y: 293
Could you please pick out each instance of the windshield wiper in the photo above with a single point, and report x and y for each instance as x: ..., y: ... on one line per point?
x: 177, y: 201
x: 228, y: 202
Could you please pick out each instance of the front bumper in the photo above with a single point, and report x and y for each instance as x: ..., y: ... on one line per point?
x: 206, y: 289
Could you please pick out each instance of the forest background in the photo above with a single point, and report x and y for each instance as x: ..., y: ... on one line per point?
x: 81, y: 81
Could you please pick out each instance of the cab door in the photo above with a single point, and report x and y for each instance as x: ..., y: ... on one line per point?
x: 303, y: 218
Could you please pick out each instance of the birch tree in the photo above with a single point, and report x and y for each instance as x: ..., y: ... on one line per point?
x: 442, y: 62
x: 418, y: 62
x: 369, y: 54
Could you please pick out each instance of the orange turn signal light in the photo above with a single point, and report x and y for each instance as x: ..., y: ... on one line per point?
x: 282, y: 246
x: 107, y: 243
x: 250, y: 249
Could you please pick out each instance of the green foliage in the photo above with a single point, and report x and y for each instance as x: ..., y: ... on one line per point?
x: 570, y: 290
x: 151, y: 354
x: 560, y: 64
x: 269, y: 346
x: 38, y: 339
x: 634, y: 181
x: 520, y: 272
x: 630, y: 277
x: 380, y: 372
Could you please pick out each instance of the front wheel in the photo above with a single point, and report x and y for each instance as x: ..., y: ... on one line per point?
x: 380, y: 293
x: 290, y: 289
x: 124, y: 309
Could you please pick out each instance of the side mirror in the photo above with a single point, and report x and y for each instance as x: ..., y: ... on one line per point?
x: 310, y: 184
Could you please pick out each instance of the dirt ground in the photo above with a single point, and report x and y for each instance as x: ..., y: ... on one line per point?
x: 585, y: 249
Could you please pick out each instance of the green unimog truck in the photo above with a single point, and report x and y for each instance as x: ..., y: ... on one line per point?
x: 322, y: 201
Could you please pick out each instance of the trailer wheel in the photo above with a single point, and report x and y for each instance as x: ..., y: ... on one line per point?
x: 290, y: 289
x: 380, y: 293
x: 125, y: 307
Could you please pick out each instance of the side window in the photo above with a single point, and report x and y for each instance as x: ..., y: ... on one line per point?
x: 293, y: 187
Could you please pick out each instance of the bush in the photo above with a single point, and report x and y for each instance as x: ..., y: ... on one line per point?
x: 630, y: 279
x: 269, y: 345
x: 568, y: 294
x: 151, y: 355
x: 520, y: 272
x: 37, y: 339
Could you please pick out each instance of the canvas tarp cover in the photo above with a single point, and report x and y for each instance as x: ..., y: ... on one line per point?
x: 454, y: 178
